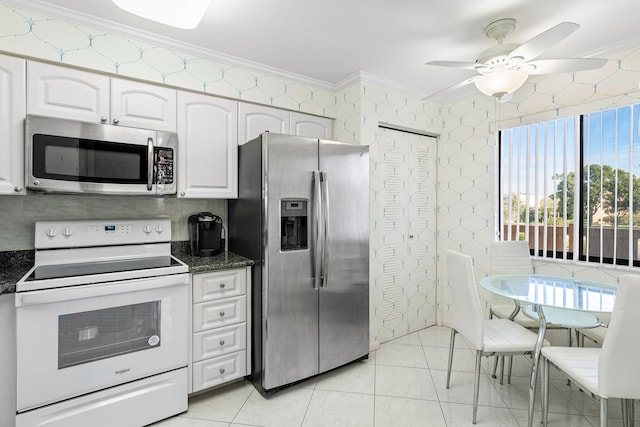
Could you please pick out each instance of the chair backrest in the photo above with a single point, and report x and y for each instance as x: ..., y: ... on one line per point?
x: 619, y: 367
x: 510, y: 257
x: 466, y: 312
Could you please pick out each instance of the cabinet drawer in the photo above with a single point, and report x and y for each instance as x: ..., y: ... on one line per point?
x: 219, y: 370
x: 222, y: 284
x: 218, y: 313
x: 219, y: 341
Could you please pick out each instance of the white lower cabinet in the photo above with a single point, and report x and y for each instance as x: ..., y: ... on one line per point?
x: 220, y: 349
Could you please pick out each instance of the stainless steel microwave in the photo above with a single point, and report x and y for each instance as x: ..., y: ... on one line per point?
x: 66, y: 156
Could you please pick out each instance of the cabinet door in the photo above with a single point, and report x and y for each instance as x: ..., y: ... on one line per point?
x: 67, y: 93
x: 12, y: 114
x: 142, y: 105
x: 208, y: 146
x: 219, y: 370
x: 310, y: 126
x: 256, y: 119
x: 219, y: 284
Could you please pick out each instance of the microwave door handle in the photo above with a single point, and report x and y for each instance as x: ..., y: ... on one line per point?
x: 149, y: 164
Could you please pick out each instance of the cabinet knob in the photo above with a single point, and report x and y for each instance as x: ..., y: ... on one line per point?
x: 222, y: 371
x: 222, y: 285
x: 221, y: 342
x: 103, y: 119
x: 116, y: 121
x: 222, y: 314
x: 17, y: 189
x: 182, y: 193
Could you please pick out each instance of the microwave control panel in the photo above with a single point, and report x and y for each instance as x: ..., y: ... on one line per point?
x: 164, y: 165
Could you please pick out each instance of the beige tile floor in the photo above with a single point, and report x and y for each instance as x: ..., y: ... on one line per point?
x: 402, y: 384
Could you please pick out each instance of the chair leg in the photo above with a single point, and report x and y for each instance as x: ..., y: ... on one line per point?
x: 544, y: 385
x: 628, y: 412
x: 569, y: 329
x: 603, y: 412
x: 476, y: 385
x: 451, y: 344
x: 495, y: 366
x: 510, y: 369
x: 502, y: 370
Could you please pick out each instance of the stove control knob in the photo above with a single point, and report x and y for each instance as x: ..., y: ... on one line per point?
x: 146, y: 229
x: 52, y: 232
x: 159, y: 229
x: 67, y: 232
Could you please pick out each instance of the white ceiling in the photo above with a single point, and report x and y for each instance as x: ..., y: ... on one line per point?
x: 389, y: 40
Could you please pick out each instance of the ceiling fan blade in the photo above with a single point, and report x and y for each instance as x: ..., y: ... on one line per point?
x: 452, y: 88
x: 551, y: 66
x: 456, y: 64
x: 544, y: 41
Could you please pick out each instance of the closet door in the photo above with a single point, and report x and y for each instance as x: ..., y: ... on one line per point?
x: 404, y: 232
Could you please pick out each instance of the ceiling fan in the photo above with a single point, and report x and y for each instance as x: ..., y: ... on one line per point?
x: 502, y: 69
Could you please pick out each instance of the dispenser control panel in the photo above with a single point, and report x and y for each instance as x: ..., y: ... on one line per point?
x: 293, y: 224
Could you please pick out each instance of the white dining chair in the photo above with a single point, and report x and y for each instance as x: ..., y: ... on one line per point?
x: 511, y: 257
x: 611, y: 371
x: 488, y: 337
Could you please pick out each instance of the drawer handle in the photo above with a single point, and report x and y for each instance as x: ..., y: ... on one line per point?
x: 221, y: 342
x: 222, y: 285
x: 222, y: 314
x: 222, y: 371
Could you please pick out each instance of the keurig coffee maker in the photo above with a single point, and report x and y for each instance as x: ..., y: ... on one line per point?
x: 205, y: 234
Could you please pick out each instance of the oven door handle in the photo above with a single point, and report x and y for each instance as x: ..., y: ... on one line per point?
x: 90, y: 291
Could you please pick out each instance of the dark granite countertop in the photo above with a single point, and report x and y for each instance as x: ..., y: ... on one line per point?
x: 223, y: 261
x: 15, y: 264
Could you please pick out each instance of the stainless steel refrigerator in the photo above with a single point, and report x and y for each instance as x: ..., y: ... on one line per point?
x: 302, y: 215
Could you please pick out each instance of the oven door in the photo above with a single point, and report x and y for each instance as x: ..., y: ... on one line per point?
x: 75, y: 340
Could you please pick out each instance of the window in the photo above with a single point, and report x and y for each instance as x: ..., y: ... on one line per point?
x: 571, y: 186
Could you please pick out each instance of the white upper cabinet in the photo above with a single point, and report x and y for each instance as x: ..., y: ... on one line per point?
x: 73, y: 94
x: 67, y: 93
x: 208, y: 147
x: 140, y: 105
x: 256, y: 119
x: 12, y: 114
x: 311, y: 126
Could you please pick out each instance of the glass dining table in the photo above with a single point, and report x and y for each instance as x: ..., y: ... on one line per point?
x: 553, y: 299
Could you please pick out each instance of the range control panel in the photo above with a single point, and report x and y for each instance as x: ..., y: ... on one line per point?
x: 84, y: 233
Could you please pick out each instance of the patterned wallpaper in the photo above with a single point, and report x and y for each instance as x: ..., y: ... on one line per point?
x: 440, y: 192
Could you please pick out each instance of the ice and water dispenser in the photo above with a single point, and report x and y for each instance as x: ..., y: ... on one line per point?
x: 293, y: 224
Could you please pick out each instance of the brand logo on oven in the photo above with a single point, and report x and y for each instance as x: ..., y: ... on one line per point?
x: 122, y: 371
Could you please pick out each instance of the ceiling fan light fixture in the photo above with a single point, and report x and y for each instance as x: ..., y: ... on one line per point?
x: 502, y: 82
x: 185, y: 14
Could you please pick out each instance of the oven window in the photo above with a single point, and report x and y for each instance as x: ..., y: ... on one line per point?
x: 78, y: 159
x: 99, y: 334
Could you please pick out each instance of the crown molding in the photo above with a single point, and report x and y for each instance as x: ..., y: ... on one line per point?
x: 363, y: 76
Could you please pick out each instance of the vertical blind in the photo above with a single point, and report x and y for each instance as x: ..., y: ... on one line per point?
x: 570, y: 186
x: 537, y: 166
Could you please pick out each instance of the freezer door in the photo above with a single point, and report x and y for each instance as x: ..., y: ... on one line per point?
x: 344, y: 292
x: 290, y: 296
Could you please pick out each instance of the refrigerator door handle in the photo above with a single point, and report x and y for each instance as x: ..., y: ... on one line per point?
x: 316, y: 232
x: 324, y: 272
